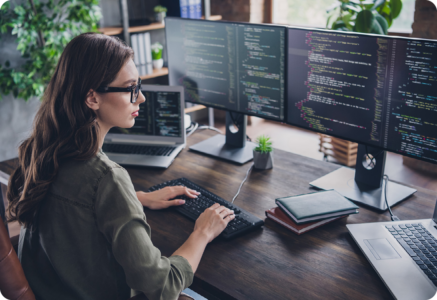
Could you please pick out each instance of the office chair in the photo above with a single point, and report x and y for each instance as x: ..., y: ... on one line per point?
x: 13, y: 283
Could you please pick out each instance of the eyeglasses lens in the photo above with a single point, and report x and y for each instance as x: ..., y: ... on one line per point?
x: 136, y: 91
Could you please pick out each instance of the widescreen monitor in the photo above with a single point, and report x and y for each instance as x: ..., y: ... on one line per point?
x: 375, y: 90
x: 237, y: 67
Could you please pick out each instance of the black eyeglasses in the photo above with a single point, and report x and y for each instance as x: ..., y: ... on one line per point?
x: 134, y: 90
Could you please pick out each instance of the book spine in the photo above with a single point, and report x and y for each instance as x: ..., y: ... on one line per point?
x: 184, y: 8
x: 148, y: 48
x: 134, y: 39
x: 142, y: 54
x: 191, y: 9
x: 198, y: 9
x: 282, y: 223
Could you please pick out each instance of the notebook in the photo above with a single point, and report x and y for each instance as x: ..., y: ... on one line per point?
x: 316, y: 206
x: 158, y: 134
x: 277, y: 215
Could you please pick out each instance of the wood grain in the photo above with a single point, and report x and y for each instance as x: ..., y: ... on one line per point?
x: 270, y: 263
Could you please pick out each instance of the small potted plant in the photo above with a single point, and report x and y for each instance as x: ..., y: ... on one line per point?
x: 262, y: 154
x: 157, y: 60
x: 160, y: 13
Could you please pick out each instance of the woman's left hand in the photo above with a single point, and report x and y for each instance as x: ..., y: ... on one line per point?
x: 160, y: 199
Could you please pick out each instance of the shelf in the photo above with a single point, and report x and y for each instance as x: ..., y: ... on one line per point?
x: 156, y: 73
x: 153, y: 26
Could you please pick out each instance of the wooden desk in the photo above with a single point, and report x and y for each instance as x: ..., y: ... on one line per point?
x: 273, y: 262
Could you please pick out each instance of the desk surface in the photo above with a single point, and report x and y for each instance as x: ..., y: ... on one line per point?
x: 273, y: 262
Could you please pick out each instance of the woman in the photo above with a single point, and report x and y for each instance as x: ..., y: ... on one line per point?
x: 84, y: 233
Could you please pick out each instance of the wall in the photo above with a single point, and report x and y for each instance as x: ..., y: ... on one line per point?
x: 425, y: 20
x: 255, y: 11
x: 16, y: 115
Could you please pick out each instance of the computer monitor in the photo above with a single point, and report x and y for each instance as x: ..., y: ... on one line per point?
x: 237, y: 67
x: 378, y: 91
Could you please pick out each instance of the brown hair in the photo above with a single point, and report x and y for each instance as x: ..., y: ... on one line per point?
x: 64, y: 126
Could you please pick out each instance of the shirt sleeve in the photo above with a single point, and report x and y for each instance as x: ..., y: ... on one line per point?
x: 121, y: 219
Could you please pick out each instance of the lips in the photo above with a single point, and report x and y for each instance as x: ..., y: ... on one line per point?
x: 135, y: 113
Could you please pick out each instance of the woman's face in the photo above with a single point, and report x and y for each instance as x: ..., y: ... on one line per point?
x: 115, y: 109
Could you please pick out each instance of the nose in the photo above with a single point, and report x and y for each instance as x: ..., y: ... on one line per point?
x: 141, y: 98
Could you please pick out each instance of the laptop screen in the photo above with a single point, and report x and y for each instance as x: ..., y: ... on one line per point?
x: 160, y: 115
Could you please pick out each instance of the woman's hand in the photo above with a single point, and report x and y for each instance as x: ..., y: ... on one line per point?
x: 213, y: 221
x: 160, y: 199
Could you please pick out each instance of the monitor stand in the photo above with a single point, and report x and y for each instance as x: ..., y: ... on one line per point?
x: 232, y: 147
x: 365, y: 184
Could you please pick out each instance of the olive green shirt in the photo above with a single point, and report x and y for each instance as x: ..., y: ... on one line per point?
x: 91, y: 240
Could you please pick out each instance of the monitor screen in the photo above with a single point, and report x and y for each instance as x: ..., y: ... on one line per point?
x: 159, y: 115
x: 232, y: 66
x: 373, y: 90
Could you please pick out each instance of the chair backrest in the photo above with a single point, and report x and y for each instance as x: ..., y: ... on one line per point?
x: 13, y: 283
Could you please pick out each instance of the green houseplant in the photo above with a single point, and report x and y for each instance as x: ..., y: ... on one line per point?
x: 160, y: 13
x: 43, y: 29
x: 157, y: 60
x: 368, y: 16
x: 262, y: 154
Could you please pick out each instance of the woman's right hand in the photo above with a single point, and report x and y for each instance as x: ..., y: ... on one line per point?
x: 214, y: 220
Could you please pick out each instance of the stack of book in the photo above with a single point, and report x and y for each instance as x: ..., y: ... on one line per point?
x: 142, y: 52
x: 302, y: 213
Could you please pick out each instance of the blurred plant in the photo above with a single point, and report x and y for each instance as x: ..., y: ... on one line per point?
x: 157, y: 51
x: 159, y: 8
x: 43, y: 29
x: 264, y: 144
x: 368, y: 16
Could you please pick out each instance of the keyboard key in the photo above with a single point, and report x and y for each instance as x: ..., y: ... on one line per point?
x: 423, y: 267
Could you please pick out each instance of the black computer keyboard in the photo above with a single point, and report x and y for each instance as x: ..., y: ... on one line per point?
x: 420, y: 244
x: 138, y: 149
x: 243, y: 222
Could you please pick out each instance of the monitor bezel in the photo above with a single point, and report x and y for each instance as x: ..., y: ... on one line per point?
x: 242, y: 23
x: 286, y: 121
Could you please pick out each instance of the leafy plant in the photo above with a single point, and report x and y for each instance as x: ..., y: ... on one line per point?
x: 159, y: 8
x: 264, y: 144
x: 368, y: 16
x: 43, y: 29
x: 157, y: 51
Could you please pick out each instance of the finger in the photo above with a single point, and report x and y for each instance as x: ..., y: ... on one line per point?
x: 175, y: 202
x: 214, y: 206
x: 229, y: 218
x: 191, y: 193
x: 226, y: 212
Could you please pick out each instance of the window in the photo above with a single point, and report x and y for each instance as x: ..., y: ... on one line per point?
x: 312, y: 13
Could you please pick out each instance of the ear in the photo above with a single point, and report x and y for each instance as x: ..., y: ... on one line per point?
x: 93, y: 100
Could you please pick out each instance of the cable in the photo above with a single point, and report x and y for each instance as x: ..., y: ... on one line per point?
x: 247, y: 174
x: 210, y: 128
x: 393, y: 217
x: 193, y: 127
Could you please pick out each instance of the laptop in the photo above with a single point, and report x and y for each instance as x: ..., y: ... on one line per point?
x: 158, y: 134
x: 403, y: 253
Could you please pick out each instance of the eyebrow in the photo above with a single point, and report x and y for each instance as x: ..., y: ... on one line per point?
x: 129, y: 81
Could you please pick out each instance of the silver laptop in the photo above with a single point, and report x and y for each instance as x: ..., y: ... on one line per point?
x: 402, y: 253
x: 158, y: 134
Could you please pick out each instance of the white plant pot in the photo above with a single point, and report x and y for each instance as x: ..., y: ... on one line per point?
x: 158, y: 63
x: 262, y: 161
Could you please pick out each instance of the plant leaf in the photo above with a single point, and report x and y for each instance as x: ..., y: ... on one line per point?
x: 364, y: 21
x: 396, y: 7
x: 382, y: 22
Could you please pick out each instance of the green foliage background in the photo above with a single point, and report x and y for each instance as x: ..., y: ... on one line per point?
x: 368, y: 16
x: 57, y: 21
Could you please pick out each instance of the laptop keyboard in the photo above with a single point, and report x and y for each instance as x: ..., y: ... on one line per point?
x: 420, y: 244
x: 138, y: 149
